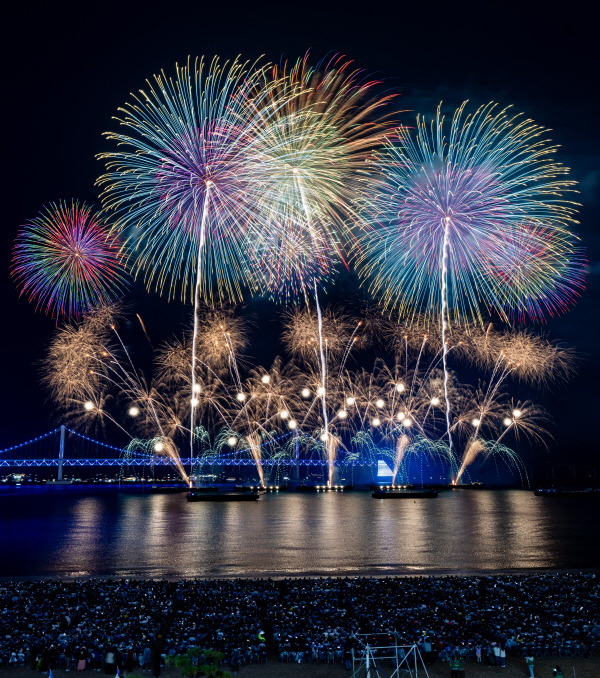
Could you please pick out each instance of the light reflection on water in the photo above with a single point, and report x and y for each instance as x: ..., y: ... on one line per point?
x: 83, y: 531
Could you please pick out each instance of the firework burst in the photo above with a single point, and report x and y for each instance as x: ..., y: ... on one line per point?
x: 473, y: 217
x: 301, y: 333
x: 539, y: 268
x: 184, y: 184
x: 71, y: 370
x: 65, y: 261
x: 314, y: 150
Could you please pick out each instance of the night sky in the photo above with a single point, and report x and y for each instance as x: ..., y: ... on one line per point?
x: 67, y: 71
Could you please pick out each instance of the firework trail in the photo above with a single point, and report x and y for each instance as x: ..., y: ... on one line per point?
x: 323, y: 383
x: 444, y: 301
x: 459, y: 213
x: 314, y: 157
x: 349, y: 346
x: 186, y: 187
x: 474, y: 448
x: 65, y: 261
x: 254, y: 445
x: 401, y: 446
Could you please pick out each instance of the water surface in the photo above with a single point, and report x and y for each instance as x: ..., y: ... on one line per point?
x: 83, y: 531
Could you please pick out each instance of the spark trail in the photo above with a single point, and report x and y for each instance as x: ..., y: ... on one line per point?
x: 323, y: 378
x: 445, y: 248
x: 320, y: 319
x: 205, y: 210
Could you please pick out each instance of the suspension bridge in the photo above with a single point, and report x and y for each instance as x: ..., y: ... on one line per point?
x: 64, y: 447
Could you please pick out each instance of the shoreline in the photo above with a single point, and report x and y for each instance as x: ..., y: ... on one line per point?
x: 278, y: 576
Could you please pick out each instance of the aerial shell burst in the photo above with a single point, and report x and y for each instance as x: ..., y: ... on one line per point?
x: 538, y: 266
x: 301, y: 333
x: 478, y: 206
x: 185, y: 182
x: 66, y: 262
x: 326, y: 122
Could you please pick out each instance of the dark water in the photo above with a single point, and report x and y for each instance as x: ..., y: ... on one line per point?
x: 78, y: 531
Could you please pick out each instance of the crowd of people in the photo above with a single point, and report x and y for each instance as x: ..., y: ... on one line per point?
x: 137, y: 625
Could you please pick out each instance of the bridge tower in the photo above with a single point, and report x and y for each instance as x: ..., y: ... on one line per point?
x: 61, y: 454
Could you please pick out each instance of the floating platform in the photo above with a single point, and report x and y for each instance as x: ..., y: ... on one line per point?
x: 552, y: 492
x: 404, y: 494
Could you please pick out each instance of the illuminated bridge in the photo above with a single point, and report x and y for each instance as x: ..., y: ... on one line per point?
x: 64, y: 447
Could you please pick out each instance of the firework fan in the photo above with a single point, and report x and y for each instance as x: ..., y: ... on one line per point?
x: 65, y: 262
x: 472, y: 217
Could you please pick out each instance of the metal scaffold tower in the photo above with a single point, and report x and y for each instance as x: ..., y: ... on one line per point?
x: 374, y: 658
